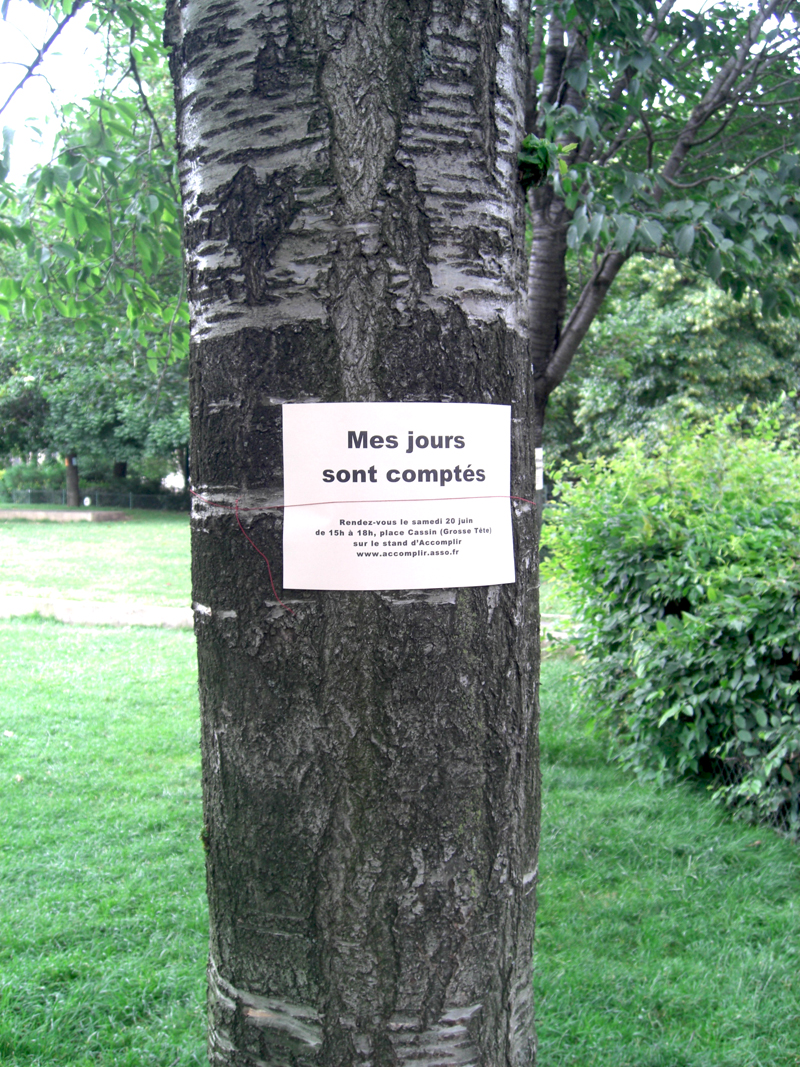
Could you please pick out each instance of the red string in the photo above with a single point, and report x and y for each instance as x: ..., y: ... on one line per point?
x: 388, y: 500
x: 319, y: 503
x: 269, y: 569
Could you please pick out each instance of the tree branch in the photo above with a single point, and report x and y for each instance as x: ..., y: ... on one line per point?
x: 662, y: 11
x: 714, y: 174
x: 534, y: 60
x: 618, y: 141
x: 717, y: 94
x: 581, y: 318
x: 584, y: 153
x: 77, y: 5
x: 145, y: 101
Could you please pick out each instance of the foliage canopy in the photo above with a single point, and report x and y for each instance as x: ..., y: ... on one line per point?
x: 685, y: 128
x: 668, y: 347
x: 99, y: 226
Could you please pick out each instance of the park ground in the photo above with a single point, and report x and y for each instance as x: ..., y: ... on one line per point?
x: 667, y: 932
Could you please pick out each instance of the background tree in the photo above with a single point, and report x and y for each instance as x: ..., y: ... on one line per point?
x: 354, y: 231
x: 104, y: 408
x: 677, y: 133
x: 92, y: 238
x: 99, y: 225
x: 668, y: 348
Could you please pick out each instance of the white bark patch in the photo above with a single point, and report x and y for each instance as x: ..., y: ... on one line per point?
x: 493, y: 599
x: 217, y: 502
x: 530, y: 877
x: 218, y: 1044
x: 467, y: 197
x: 224, y: 404
x: 446, y: 1043
x: 283, y: 1017
x: 445, y: 596
x: 470, y: 206
x: 269, y: 131
x: 299, y: 1021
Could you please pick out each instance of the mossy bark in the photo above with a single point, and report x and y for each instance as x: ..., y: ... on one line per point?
x: 354, y: 232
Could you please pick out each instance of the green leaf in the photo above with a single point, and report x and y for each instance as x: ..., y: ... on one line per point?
x: 578, y: 77
x: 684, y: 239
x: 654, y: 231
x: 65, y: 251
x: 641, y: 62
x: 626, y: 227
x: 76, y: 222
x: 595, y: 226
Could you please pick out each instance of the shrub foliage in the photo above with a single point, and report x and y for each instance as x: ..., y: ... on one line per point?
x: 683, y: 564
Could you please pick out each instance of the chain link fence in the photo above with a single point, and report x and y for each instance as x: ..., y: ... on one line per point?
x: 782, y: 812
x: 100, y: 498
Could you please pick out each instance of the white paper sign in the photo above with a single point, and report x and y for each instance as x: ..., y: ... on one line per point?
x: 396, y: 496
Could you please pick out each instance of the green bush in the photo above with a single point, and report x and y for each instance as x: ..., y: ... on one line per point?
x: 684, y: 566
x: 48, y: 475
x: 143, y: 477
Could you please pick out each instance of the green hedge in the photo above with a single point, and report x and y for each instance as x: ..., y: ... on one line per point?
x: 684, y: 566
x: 144, y: 477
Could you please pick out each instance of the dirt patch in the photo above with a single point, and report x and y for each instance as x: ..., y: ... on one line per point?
x: 95, y: 613
x: 63, y: 516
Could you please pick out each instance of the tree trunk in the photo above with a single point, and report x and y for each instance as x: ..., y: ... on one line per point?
x: 120, y: 468
x: 354, y: 232
x: 547, y: 291
x: 73, y: 489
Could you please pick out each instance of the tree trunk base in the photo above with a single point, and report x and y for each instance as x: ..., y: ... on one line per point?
x: 73, y: 488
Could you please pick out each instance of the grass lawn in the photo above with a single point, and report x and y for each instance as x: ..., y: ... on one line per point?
x: 103, y: 919
x: 667, y: 934
x: 142, y: 561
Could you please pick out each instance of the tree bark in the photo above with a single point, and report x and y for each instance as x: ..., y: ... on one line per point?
x: 547, y: 292
x: 354, y: 232
x: 73, y: 488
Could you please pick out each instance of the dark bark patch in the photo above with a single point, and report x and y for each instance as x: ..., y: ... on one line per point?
x: 269, y: 75
x: 235, y: 384
x: 253, y: 216
x: 418, y: 360
x: 275, y: 65
x: 196, y: 44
